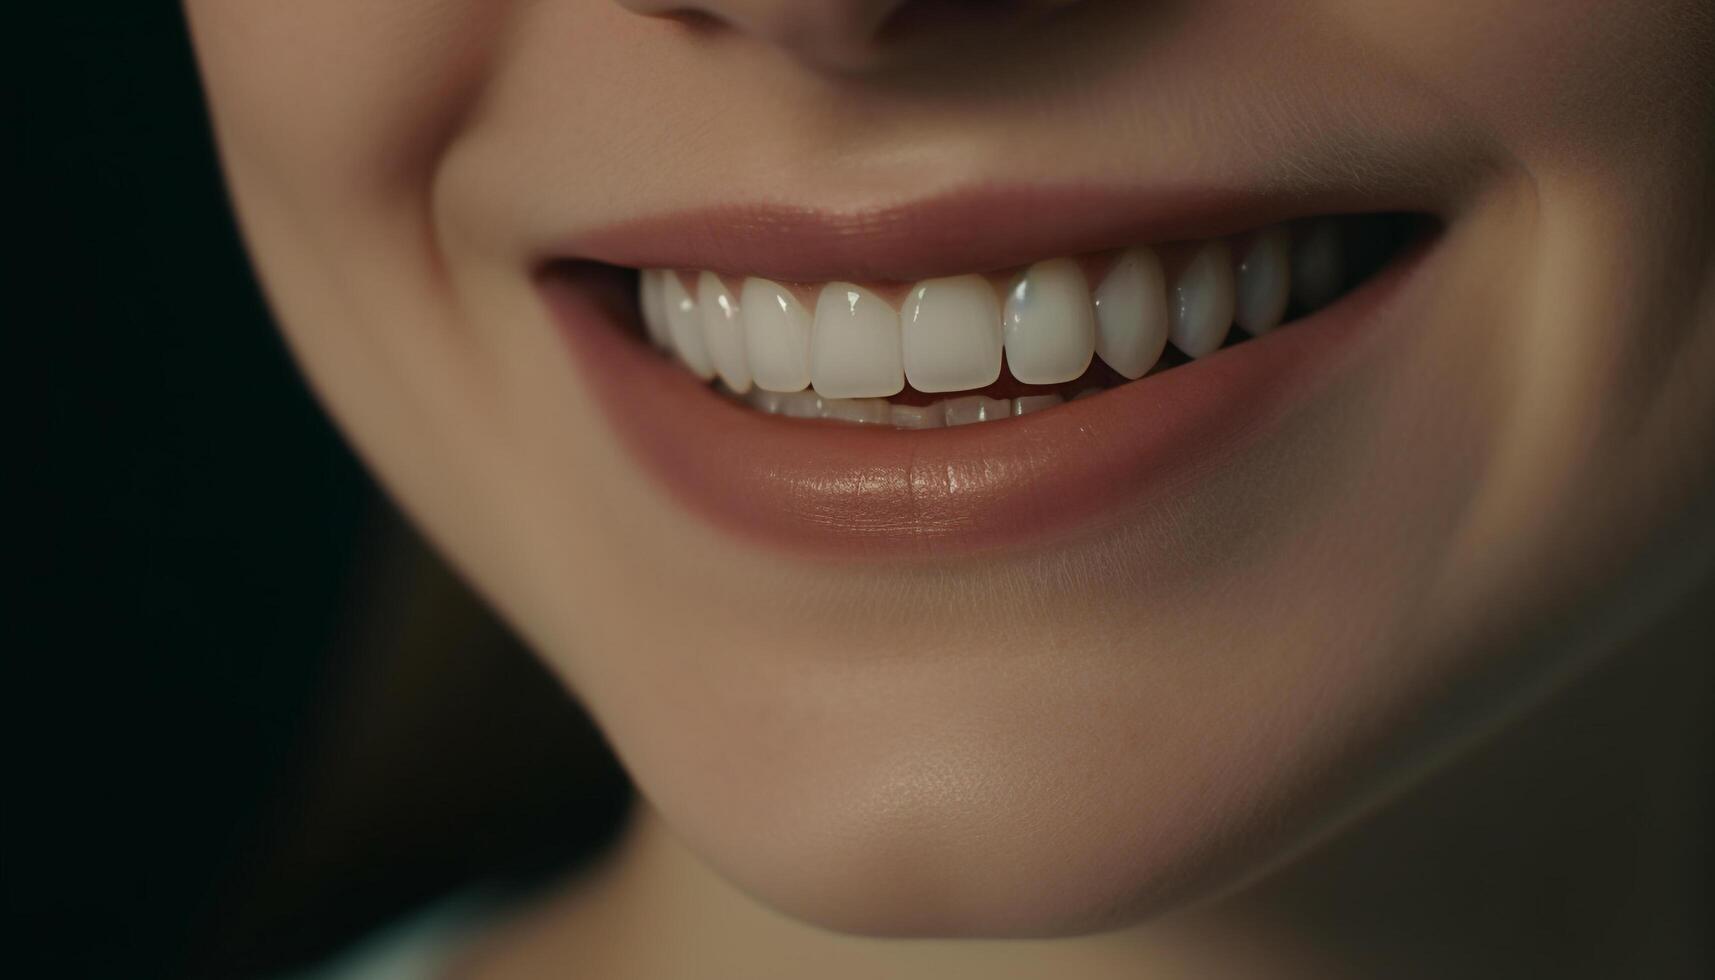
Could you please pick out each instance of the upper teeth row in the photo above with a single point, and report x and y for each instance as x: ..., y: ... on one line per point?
x: 949, y: 334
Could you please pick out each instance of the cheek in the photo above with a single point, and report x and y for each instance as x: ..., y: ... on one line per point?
x: 339, y: 100
x: 1553, y: 80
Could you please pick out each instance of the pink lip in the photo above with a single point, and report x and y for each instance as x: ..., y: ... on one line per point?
x: 844, y: 491
x: 975, y: 230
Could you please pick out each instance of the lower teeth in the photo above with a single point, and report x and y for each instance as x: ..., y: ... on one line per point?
x: 962, y: 410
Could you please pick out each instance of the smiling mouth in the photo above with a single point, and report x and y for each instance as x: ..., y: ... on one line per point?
x: 979, y: 347
x: 807, y: 381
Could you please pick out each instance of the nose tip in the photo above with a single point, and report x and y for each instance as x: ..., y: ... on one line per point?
x: 843, y: 35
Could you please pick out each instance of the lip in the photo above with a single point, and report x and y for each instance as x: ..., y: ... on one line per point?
x: 833, y: 490
x: 980, y: 229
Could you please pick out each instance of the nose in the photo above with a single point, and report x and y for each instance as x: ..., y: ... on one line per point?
x: 846, y: 35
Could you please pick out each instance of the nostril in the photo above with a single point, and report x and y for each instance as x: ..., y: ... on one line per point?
x: 917, y: 18
x: 850, y: 34
x: 691, y: 17
x: 826, y: 33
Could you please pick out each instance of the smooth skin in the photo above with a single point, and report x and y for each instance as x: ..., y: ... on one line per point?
x: 1463, y: 588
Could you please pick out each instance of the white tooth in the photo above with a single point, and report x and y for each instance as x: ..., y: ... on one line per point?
x: 871, y: 410
x: 975, y: 408
x: 654, y: 308
x: 1318, y: 265
x: 1050, y: 325
x: 1202, y: 308
x: 1263, y: 281
x: 854, y: 345
x: 1131, y: 313
x: 951, y: 334
x: 686, y: 326
x: 919, y: 416
x: 764, y: 400
x: 776, y: 336
x: 801, y: 405
x: 723, y: 332
x: 1086, y: 393
x: 1025, y: 404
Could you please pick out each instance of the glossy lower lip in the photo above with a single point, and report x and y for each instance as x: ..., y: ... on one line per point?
x: 844, y: 491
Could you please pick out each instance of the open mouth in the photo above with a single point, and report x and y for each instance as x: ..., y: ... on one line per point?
x: 979, y: 347
x: 834, y: 413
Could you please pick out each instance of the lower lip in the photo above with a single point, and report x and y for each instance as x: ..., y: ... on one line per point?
x: 843, y: 491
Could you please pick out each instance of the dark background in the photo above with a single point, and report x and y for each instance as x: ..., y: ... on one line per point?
x: 250, y: 717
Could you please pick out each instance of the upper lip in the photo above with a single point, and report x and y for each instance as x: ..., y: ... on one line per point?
x: 978, y: 229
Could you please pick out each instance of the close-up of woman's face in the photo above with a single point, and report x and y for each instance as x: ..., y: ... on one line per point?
x: 1017, y: 468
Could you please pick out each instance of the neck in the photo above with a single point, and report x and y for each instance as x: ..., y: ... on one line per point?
x: 1570, y: 844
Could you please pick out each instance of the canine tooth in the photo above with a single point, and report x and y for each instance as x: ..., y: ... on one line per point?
x: 686, y: 326
x: 1025, y: 404
x: 1263, y: 281
x: 776, y: 336
x: 803, y: 404
x: 1050, y: 327
x: 854, y: 345
x: 1318, y: 265
x: 1202, y: 307
x: 723, y: 332
x: 654, y: 308
x: 871, y: 410
x: 918, y: 416
x: 975, y: 408
x: 951, y: 334
x: 1131, y: 313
